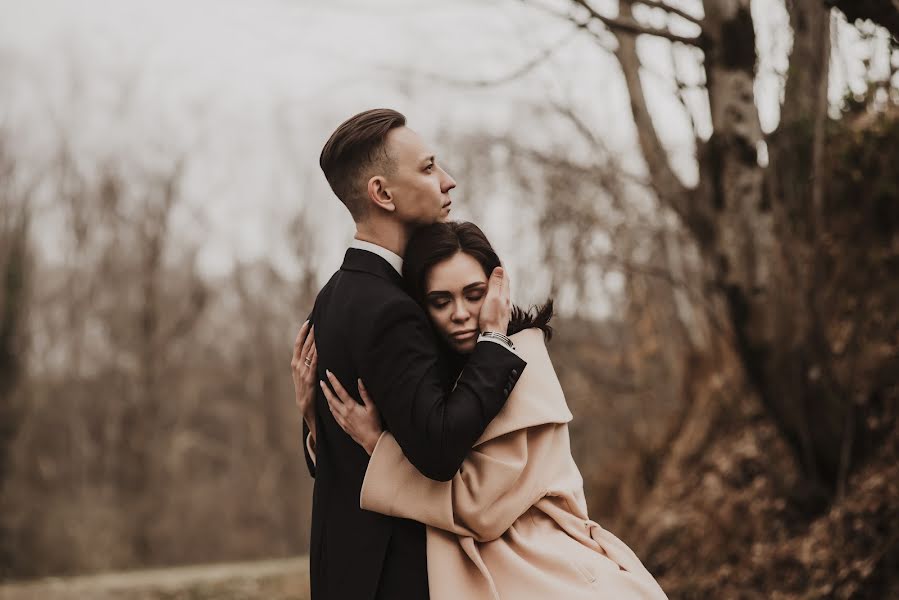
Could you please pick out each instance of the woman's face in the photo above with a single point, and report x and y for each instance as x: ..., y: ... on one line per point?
x: 454, y: 291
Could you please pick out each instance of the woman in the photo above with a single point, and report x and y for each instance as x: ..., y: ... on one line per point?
x: 513, y: 521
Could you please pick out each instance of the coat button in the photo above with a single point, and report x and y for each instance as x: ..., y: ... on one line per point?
x: 514, y: 372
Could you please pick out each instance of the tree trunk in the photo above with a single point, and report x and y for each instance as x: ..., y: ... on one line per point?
x: 794, y: 373
x: 755, y: 227
x: 14, y: 269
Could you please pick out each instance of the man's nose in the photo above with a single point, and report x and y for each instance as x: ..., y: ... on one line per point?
x: 448, y: 183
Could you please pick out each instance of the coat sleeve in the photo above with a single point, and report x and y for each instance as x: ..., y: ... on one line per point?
x: 435, y: 428
x: 309, y: 449
x: 497, y: 483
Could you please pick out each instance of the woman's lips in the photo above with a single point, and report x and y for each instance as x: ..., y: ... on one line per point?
x: 462, y: 336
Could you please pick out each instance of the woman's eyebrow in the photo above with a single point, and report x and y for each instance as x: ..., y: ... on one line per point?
x: 468, y: 287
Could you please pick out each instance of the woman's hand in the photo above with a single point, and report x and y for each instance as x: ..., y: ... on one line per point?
x: 302, y: 368
x: 496, y: 311
x: 362, y: 422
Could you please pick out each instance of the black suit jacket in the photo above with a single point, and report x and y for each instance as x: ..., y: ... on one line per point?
x: 367, y: 326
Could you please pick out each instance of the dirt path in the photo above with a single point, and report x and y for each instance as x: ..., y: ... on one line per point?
x: 285, y: 579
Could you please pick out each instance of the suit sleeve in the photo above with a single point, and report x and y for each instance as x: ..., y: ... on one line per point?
x: 498, y: 482
x: 434, y: 429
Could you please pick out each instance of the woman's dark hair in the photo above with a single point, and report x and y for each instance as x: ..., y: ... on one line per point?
x: 432, y: 244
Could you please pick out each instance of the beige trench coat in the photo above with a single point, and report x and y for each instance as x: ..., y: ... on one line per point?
x: 512, y: 524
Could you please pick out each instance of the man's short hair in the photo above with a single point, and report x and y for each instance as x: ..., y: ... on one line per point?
x: 356, y: 149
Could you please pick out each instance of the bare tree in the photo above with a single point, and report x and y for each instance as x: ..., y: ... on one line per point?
x: 15, y: 268
x: 756, y: 226
x: 771, y: 246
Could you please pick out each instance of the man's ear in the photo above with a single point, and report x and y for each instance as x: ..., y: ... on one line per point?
x: 379, y: 194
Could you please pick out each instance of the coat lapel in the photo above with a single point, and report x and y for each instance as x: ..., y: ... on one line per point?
x: 537, y: 398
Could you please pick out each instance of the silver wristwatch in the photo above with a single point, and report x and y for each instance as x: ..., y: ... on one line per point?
x: 498, y: 337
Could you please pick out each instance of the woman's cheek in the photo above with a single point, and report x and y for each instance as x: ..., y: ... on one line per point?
x: 439, y: 320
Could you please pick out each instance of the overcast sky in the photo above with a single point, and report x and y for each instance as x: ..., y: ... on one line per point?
x: 250, y: 90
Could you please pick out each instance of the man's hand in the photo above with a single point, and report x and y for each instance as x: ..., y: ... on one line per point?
x: 362, y: 422
x: 497, y: 307
x: 303, y: 365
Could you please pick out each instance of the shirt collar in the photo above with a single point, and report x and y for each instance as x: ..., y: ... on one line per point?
x: 395, y: 260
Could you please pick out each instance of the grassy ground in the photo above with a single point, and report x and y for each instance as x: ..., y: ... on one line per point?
x: 286, y: 579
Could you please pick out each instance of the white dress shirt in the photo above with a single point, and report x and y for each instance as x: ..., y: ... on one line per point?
x: 395, y: 260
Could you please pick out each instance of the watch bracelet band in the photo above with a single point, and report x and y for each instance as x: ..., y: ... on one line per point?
x: 498, y: 336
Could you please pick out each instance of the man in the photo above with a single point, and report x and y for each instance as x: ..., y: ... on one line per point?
x: 366, y: 326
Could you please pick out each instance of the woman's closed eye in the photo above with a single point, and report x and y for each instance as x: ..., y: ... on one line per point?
x: 443, y: 303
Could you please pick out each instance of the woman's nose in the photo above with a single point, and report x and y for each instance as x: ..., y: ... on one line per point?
x: 460, y: 315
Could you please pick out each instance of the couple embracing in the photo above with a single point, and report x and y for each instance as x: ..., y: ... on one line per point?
x: 434, y: 424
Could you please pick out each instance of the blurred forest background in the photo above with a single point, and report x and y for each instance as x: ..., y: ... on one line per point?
x: 709, y: 188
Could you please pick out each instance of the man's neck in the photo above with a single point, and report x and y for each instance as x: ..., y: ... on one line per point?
x: 391, y: 236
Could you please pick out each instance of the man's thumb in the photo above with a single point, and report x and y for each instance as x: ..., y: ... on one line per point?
x: 498, y: 273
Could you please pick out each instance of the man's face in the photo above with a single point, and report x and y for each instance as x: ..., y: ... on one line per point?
x: 419, y: 186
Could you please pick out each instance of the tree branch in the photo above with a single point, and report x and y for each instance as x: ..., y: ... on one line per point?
x: 662, y: 178
x: 580, y: 24
x: 669, y: 9
x: 630, y: 26
x: 883, y: 12
x: 667, y: 186
x: 598, y: 144
x: 681, y: 89
x: 590, y: 172
x: 613, y: 260
x: 611, y: 174
x: 516, y: 73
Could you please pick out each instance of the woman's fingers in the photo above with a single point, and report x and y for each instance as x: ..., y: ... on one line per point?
x: 298, y: 345
x: 363, y: 393
x: 313, y: 362
x: 311, y: 372
x: 304, y: 354
x: 337, y: 417
x: 495, y: 283
x: 340, y: 390
x: 505, y: 288
x: 301, y: 335
x: 334, y: 404
x: 366, y: 399
x: 312, y: 357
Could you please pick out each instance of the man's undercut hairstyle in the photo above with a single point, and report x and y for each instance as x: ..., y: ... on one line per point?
x: 357, y: 151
